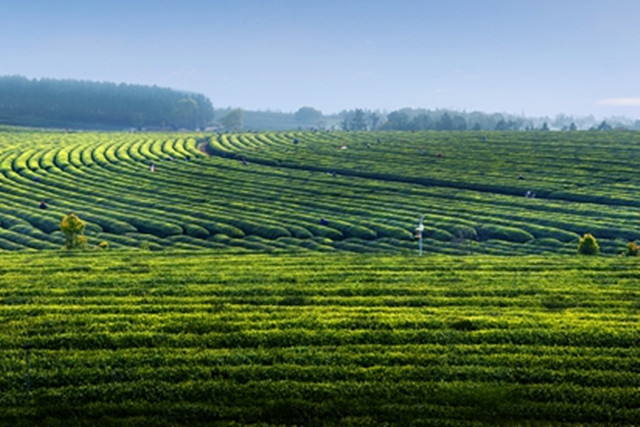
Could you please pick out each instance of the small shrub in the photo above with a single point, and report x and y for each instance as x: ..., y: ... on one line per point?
x: 588, y: 245
x: 632, y: 249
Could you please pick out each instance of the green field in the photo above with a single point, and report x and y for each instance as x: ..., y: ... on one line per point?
x: 288, y: 191
x: 273, y: 278
x: 200, y: 338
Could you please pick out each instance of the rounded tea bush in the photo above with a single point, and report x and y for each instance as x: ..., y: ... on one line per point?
x: 588, y: 245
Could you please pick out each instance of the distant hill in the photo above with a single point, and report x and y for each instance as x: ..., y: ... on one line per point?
x: 99, y: 105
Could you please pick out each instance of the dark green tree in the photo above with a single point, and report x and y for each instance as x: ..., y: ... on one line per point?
x: 358, y: 120
x: 308, y: 115
x: 233, y: 120
x: 445, y: 122
x: 397, y: 120
x: 604, y: 126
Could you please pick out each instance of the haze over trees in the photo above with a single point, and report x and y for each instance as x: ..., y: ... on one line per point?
x: 102, y: 105
x: 418, y: 119
x: 233, y: 120
x: 85, y: 104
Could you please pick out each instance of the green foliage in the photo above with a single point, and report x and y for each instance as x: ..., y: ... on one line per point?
x: 73, y: 229
x: 233, y: 120
x: 308, y: 116
x: 587, y: 245
x: 84, y: 104
x: 366, y: 197
x: 201, y: 338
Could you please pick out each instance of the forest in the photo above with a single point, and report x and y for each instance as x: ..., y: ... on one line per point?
x: 99, y: 105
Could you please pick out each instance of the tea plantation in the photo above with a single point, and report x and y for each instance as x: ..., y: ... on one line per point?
x: 328, y: 191
x: 202, y: 338
x: 273, y: 279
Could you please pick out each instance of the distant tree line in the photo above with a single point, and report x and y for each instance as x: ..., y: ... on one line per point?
x: 421, y: 119
x: 86, y: 104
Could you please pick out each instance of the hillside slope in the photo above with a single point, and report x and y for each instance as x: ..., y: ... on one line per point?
x: 323, y: 191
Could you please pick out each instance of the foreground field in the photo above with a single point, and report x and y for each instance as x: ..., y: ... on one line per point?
x: 326, y: 191
x: 198, y: 338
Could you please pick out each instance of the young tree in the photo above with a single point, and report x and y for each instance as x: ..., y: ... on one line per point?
x: 73, y: 229
x: 588, y: 245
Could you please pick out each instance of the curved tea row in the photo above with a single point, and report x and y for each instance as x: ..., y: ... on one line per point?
x: 321, y: 190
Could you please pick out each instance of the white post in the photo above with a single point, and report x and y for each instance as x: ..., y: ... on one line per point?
x: 419, y: 230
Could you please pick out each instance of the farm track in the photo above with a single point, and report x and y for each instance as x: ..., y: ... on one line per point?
x: 323, y: 191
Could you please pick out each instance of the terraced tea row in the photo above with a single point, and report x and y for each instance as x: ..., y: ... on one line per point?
x: 199, y: 338
x: 322, y: 191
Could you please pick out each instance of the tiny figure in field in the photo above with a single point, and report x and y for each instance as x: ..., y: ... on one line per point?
x: 43, y: 205
x: 295, y: 141
x: 324, y: 221
x: 520, y: 176
x: 439, y: 155
x: 153, y: 167
x: 343, y: 147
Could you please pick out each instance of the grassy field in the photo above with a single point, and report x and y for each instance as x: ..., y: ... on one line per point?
x: 326, y: 191
x: 199, y: 338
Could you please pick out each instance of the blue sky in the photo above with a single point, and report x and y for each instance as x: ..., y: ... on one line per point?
x: 531, y: 57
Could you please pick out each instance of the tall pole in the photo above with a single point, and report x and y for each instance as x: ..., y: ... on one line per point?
x: 419, y: 230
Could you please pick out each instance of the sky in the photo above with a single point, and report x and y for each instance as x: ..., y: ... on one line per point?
x: 525, y: 57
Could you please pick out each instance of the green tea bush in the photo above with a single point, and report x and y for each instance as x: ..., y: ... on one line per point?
x: 588, y: 245
x: 386, y: 230
x: 195, y: 230
x: 501, y: 232
x: 225, y: 229
x: 158, y: 228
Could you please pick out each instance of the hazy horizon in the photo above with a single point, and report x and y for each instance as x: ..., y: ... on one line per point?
x: 536, y: 59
